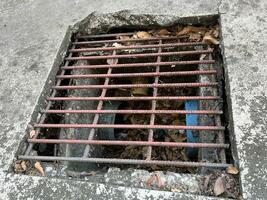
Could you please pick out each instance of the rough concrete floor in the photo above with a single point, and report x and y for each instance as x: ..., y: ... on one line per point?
x: 31, y: 32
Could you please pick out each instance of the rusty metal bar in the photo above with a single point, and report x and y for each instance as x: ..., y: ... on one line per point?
x: 191, y: 62
x: 130, y: 126
x: 159, y: 98
x: 148, y: 74
x: 180, y: 44
x: 127, y: 161
x: 128, y: 40
x: 153, y: 85
x: 153, y: 107
x: 197, y: 112
x: 132, y: 143
x: 141, y: 55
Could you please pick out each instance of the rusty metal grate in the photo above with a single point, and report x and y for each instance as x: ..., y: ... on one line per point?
x: 157, y: 48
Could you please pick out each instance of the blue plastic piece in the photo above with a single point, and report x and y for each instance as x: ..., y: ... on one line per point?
x: 191, y: 120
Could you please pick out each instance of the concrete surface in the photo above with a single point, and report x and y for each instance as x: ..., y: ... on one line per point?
x: 31, y: 33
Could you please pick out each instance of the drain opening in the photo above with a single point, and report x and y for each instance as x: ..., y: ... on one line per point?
x: 152, y: 102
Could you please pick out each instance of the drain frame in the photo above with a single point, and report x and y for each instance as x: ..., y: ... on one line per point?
x: 154, y: 98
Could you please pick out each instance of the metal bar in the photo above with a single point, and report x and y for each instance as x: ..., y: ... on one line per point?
x: 103, y: 35
x: 148, y: 74
x: 128, y: 40
x: 127, y: 161
x: 99, y: 107
x: 44, y: 115
x: 132, y: 143
x: 221, y: 137
x: 130, y: 126
x: 197, y: 112
x: 191, y: 62
x: 161, y: 98
x: 153, y: 107
x: 153, y: 85
x: 140, y: 55
x: 181, y: 44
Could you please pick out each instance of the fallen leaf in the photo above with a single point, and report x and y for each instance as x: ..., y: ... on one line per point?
x: 23, y: 165
x: 176, y: 190
x: 39, y: 168
x: 195, y: 37
x: 232, y: 170
x: 158, y: 180
x: 124, y: 37
x: 163, y: 32
x: 191, y: 29
x: 150, y: 181
x: 143, y: 34
x: 32, y: 133
x: 219, y: 186
x: 210, y: 40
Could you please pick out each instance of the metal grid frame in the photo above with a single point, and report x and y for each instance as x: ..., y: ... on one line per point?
x: 96, y: 43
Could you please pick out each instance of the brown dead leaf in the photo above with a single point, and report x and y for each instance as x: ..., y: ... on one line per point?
x: 219, y: 186
x: 210, y: 40
x: 163, y: 32
x: 158, y: 180
x: 232, y: 170
x: 150, y: 181
x: 196, y: 37
x: 39, y: 168
x: 143, y: 34
x: 23, y: 165
x: 124, y: 37
x: 191, y: 29
x: 32, y: 133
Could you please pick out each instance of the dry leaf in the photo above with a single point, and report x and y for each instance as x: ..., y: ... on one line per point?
x: 124, y: 37
x: 150, y: 181
x: 23, y: 165
x: 176, y: 190
x: 210, y: 40
x: 195, y: 37
x: 219, y: 186
x: 191, y: 29
x: 158, y: 180
x: 163, y: 32
x: 143, y: 34
x: 232, y: 170
x: 32, y: 133
x: 39, y: 168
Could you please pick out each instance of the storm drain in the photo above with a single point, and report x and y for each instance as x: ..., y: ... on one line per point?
x: 118, y: 93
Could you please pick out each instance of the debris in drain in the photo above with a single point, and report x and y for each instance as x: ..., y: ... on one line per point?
x: 221, y: 184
